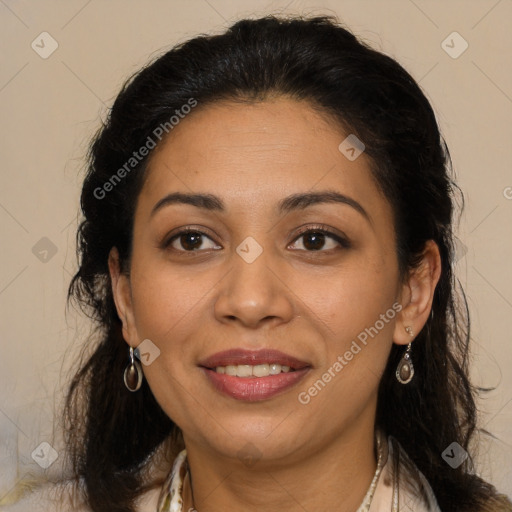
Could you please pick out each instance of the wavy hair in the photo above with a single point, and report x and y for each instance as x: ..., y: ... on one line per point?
x: 317, y: 60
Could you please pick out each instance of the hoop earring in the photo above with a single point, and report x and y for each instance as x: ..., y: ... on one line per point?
x: 405, y: 370
x: 133, y: 374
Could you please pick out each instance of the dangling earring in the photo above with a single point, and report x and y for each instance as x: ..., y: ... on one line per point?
x: 133, y: 374
x: 405, y: 370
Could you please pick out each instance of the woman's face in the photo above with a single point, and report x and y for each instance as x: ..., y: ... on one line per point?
x: 248, y: 279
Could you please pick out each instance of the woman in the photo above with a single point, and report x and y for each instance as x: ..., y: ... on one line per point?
x: 267, y: 251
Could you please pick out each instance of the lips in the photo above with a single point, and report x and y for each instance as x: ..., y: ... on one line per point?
x: 236, y: 357
x: 252, y: 388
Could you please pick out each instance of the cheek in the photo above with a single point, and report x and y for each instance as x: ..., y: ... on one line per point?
x: 351, y: 299
x: 358, y: 308
x: 360, y: 318
x: 168, y: 307
x: 164, y: 302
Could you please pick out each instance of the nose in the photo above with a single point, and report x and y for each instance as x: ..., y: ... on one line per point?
x: 253, y: 294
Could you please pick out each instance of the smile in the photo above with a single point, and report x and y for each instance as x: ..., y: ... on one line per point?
x: 260, y: 370
x: 253, y: 375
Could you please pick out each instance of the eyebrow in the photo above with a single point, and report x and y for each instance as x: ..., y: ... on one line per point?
x: 303, y: 200
x: 299, y: 201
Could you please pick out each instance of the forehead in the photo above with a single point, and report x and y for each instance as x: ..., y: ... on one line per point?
x: 253, y: 154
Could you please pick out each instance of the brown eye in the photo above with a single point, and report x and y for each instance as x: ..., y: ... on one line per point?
x: 189, y: 240
x: 316, y: 239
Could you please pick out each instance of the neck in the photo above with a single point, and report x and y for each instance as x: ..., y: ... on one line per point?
x: 332, y: 479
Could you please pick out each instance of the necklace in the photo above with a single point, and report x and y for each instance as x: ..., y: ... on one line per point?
x: 171, y: 499
x: 367, y: 500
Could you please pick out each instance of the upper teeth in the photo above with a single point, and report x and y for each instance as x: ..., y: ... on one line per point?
x: 246, y: 370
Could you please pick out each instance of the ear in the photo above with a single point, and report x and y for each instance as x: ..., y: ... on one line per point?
x: 417, y: 294
x: 121, y: 290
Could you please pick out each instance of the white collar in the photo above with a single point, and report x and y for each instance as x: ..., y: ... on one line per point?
x: 388, y: 491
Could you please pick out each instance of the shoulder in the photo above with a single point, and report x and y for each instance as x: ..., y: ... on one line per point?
x: 414, y: 490
x: 66, y: 497
x: 401, y: 485
x: 48, y: 497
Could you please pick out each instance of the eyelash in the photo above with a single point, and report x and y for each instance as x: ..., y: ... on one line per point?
x: 319, y: 228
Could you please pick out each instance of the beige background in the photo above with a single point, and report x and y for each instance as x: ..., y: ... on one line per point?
x: 50, y: 108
